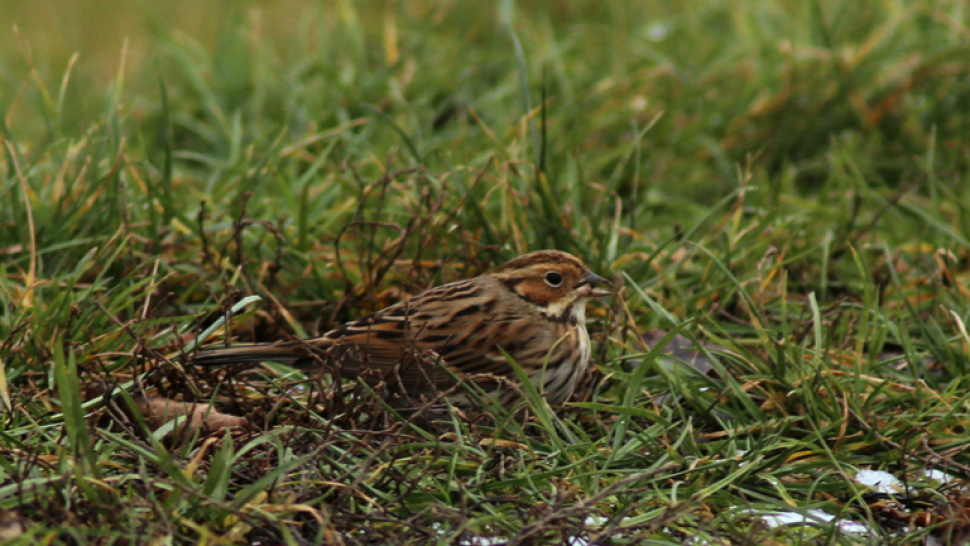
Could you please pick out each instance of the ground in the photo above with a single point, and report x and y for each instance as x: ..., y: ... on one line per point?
x: 779, y: 191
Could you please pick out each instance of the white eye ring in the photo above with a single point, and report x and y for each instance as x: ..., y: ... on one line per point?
x: 553, y: 278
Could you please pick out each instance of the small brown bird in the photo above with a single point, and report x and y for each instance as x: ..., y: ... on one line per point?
x: 533, y: 308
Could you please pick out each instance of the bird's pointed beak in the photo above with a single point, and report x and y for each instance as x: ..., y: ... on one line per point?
x: 588, y: 288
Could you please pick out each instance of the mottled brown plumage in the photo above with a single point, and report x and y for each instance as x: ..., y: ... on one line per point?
x: 533, y: 308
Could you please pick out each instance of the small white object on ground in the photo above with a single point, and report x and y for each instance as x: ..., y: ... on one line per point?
x: 938, y: 475
x: 778, y: 519
x: 882, y: 482
x: 814, y: 515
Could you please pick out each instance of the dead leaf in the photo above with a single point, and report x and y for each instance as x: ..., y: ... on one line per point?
x: 12, y: 525
x: 192, y: 417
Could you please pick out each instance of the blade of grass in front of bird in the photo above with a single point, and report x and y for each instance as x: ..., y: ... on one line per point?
x: 536, y: 402
x: 632, y: 390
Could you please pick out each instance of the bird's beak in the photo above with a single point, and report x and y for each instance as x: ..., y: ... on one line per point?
x: 587, y: 286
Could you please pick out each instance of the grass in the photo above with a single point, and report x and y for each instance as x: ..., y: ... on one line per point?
x: 782, y: 184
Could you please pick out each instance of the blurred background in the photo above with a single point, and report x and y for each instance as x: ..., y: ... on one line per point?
x: 787, y: 82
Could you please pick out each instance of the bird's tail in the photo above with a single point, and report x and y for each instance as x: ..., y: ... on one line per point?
x: 286, y: 352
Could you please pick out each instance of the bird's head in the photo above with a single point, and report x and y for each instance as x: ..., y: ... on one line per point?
x: 556, y: 282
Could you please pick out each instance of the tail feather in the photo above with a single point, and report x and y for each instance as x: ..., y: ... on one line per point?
x: 285, y: 353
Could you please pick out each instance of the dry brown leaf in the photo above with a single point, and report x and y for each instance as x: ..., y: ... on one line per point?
x: 192, y: 417
x: 12, y: 525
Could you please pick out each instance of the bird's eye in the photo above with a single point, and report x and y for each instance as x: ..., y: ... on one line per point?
x: 553, y: 278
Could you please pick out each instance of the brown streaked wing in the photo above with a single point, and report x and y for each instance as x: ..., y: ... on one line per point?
x: 385, y: 346
x: 451, y: 325
x: 478, y: 353
x: 466, y: 331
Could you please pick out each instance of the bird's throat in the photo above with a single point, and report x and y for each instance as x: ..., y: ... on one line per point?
x: 573, y: 312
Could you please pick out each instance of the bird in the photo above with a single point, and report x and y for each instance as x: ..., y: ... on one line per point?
x: 531, y: 309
